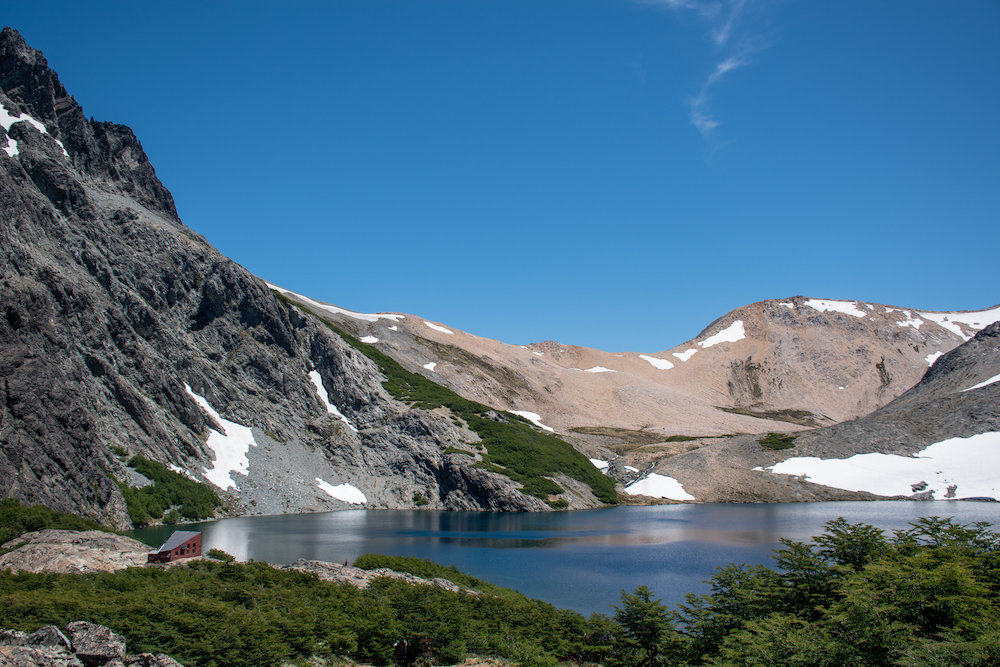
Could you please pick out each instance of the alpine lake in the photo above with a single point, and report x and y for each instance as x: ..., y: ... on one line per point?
x: 580, y: 560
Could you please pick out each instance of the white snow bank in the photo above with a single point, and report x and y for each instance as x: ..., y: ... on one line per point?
x: 6, y: 121
x: 230, y: 446
x: 599, y: 464
x: 345, y: 492
x: 368, y: 317
x: 317, y: 381
x: 995, y: 378
x: 659, y: 486
x: 910, y: 321
x: 601, y: 369
x: 440, y: 328
x: 534, y: 418
x: 977, y: 320
x: 371, y: 340
x: 787, y: 304
x: 730, y: 334
x: 686, y: 354
x: 631, y: 469
x: 846, y: 307
x: 969, y: 464
x: 931, y: 358
x: 662, y: 364
x: 431, y: 365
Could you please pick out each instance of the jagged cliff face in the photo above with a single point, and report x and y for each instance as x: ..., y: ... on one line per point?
x: 122, y: 328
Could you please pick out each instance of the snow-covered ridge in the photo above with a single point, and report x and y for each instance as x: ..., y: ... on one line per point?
x: 367, y: 317
x: 846, y: 307
x: 977, y: 319
x: 230, y: 446
x: 6, y: 120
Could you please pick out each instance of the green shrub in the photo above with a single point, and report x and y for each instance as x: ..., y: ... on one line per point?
x: 17, y: 519
x: 194, y: 501
x: 775, y: 441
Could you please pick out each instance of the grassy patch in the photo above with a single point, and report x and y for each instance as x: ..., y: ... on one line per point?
x: 514, y: 447
x: 776, y: 441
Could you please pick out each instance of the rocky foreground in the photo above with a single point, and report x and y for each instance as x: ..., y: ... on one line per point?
x: 79, y: 644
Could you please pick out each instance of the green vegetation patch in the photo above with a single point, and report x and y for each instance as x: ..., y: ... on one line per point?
x: 623, y: 435
x: 214, y: 614
x: 17, y: 519
x: 194, y: 500
x: 775, y: 441
x: 800, y: 417
x: 515, y: 447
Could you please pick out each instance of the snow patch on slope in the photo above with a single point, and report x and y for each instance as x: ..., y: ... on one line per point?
x: 534, y: 418
x: 662, y: 364
x: 230, y: 446
x: 440, y: 328
x: 730, y: 334
x: 968, y: 465
x: 317, y: 381
x: 6, y: 121
x: 659, y: 486
x: 995, y: 378
x: 686, y: 354
x: 344, y: 492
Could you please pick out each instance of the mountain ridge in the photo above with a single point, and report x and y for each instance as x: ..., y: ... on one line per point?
x: 124, y: 330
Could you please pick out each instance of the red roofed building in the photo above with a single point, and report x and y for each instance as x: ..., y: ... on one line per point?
x: 182, y: 544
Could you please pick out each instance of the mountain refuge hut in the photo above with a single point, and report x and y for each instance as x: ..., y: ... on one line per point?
x: 182, y: 544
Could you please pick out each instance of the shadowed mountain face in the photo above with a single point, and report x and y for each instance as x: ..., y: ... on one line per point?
x: 122, y: 329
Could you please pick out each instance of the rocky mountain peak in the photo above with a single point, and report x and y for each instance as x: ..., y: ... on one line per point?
x: 107, y: 152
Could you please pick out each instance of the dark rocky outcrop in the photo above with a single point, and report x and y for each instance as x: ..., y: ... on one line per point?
x: 79, y: 644
x: 113, y: 314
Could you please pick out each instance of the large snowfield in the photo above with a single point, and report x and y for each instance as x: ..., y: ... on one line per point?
x: 956, y: 468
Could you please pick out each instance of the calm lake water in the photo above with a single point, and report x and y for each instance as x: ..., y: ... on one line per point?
x: 578, y: 560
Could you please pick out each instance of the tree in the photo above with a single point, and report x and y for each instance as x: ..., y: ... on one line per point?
x: 647, y: 634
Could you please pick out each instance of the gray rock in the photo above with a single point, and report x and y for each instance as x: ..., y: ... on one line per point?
x: 48, y: 635
x: 95, y: 644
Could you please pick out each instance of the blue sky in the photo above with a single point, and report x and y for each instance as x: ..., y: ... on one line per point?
x: 608, y: 173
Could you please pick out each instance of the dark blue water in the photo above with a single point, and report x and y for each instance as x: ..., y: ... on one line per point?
x: 577, y: 560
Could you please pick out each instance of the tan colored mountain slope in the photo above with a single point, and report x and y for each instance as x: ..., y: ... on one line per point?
x: 776, y: 365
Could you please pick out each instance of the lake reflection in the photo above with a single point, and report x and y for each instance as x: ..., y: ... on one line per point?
x: 580, y: 560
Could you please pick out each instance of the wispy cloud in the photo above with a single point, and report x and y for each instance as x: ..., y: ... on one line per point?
x: 735, y: 43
